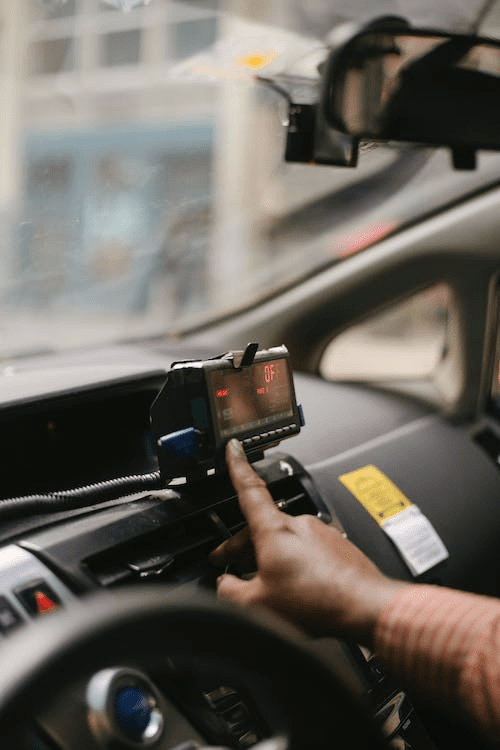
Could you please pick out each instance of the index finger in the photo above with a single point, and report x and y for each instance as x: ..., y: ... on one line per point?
x: 255, y: 500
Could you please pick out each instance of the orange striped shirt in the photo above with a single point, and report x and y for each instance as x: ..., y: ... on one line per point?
x: 446, y: 642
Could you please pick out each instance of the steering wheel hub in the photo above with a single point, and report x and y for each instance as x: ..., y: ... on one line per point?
x: 124, y: 705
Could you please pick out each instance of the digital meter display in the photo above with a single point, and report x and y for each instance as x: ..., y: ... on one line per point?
x: 248, y: 395
x: 255, y: 398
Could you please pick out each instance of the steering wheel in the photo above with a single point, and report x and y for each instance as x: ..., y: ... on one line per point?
x: 312, y: 705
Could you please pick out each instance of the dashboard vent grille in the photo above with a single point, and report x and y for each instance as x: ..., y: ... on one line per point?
x: 289, y: 494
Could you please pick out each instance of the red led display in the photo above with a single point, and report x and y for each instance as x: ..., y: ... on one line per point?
x: 269, y: 372
x: 255, y: 398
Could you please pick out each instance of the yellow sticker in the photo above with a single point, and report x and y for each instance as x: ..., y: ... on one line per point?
x: 381, y: 498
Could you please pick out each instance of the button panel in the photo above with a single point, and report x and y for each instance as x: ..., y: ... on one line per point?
x: 29, y: 588
x: 268, y: 437
x: 38, y: 598
x: 229, y: 705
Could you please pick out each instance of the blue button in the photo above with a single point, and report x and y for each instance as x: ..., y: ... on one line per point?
x: 133, y: 711
x: 181, y: 444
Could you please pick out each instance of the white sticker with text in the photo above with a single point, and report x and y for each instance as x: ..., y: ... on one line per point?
x: 416, y: 539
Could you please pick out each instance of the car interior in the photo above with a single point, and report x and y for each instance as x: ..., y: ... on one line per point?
x: 113, y: 483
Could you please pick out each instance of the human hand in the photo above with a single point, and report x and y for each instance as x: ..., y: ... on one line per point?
x: 306, y: 571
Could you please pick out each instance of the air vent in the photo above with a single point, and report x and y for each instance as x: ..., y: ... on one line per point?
x: 175, y: 555
x: 290, y: 495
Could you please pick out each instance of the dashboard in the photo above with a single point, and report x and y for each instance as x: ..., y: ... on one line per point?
x: 82, y: 421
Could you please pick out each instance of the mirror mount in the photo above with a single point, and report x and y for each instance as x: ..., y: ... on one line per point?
x: 309, y: 140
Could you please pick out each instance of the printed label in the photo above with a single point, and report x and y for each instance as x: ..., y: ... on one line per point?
x: 404, y: 523
x: 378, y: 495
x: 416, y: 539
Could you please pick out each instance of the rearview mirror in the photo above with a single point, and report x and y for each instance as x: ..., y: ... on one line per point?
x: 416, y: 85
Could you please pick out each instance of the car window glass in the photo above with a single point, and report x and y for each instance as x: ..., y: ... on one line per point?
x: 407, y: 341
x: 145, y: 187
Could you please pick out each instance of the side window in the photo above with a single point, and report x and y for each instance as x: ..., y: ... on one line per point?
x: 405, y: 342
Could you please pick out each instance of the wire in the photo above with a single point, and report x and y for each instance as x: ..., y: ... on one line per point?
x: 79, y: 497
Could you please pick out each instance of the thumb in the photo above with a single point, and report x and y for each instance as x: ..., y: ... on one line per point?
x: 235, y: 589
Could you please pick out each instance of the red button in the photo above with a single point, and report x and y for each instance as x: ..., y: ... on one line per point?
x: 38, y: 598
x: 43, y: 603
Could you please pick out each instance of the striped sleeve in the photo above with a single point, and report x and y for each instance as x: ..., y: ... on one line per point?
x: 447, y: 643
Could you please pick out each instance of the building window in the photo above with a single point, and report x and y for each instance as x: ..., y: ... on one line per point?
x: 189, y: 37
x: 121, y: 48
x: 53, y: 8
x: 122, y: 6
x: 52, y: 56
x: 52, y: 175
x: 205, y: 4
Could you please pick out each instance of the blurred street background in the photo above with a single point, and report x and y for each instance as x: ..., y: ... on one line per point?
x: 137, y: 200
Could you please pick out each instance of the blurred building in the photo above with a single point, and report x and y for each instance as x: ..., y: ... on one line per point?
x: 89, y: 62
x: 101, y: 151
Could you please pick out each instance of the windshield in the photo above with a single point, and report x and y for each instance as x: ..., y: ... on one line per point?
x: 143, y: 189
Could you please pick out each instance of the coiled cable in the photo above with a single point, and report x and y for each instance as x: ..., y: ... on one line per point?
x: 79, y: 497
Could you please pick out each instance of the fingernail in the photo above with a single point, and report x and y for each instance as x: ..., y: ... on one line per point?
x: 235, y: 447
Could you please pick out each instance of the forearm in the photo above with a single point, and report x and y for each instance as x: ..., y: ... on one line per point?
x: 445, y: 643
